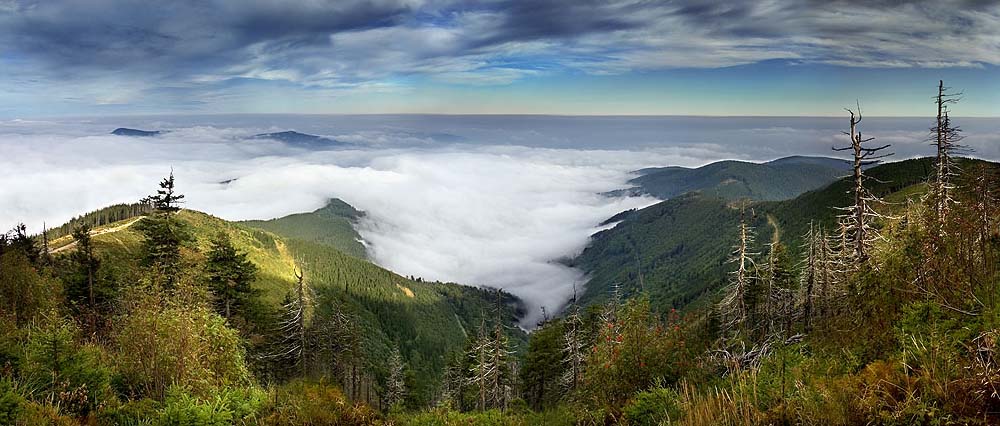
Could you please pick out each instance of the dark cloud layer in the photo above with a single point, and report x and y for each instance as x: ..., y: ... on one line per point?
x: 346, y: 44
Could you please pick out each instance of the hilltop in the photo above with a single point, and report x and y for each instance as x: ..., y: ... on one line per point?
x: 331, y: 225
x: 301, y: 140
x: 124, y: 131
x: 780, y: 179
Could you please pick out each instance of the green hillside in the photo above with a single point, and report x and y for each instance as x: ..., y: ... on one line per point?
x: 680, y: 245
x: 732, y: 180
x: 425, y: 320
x: 331, y: 225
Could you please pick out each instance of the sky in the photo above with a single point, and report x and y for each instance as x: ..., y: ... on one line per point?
x: 572, y: 57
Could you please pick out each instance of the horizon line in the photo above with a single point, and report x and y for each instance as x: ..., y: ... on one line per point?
x: 440, y: 114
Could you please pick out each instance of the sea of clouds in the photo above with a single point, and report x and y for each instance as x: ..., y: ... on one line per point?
x: 477, y: 200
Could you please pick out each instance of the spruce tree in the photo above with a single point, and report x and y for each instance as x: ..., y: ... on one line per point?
x: 163, y: 233
x: 87, y: 264
x: 230, y: 276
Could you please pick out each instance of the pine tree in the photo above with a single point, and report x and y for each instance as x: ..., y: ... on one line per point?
x: 163, y: 233
x: 777, y: 275
x: 87, y: 264
x: 166, y: 199
x: 230, y: 276
x: 18, y: 239
x: 46, y: 255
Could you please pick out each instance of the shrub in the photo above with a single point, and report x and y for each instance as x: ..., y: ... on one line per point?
x: 11, y: 403
x: 317, y: 404
x: 631, y: 354
x: 76, y: 377
x: 652, y: 407
x: 182, y: 409
x: 131, y: 413
x: 158, y: 346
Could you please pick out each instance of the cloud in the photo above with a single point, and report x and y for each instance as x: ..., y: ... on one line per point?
x: 186, y: 53
x: 495, y: 201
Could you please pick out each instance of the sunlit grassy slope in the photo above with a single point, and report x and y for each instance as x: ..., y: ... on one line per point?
x: 331, y: 225
x: 426, y: 320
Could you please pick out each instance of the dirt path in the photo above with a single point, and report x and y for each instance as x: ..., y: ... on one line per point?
x: 97, y: 232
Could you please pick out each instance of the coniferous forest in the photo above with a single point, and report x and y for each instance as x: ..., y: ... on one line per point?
x: 872, y: 300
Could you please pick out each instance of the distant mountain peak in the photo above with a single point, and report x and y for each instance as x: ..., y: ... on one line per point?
x: 125, y: 131
x: 301, y: 140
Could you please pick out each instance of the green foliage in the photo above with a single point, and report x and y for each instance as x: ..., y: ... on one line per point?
x: 314, y: 403
x: 76, y: 376
x: 680, y: 245
x: 163, y: 235
x: 633, y: 351
x: 734, y: 180
x: 230, y: 406
x: 83, y: 285
x: 230, y: 276
x: 332, y: 225
x: 653, y: 407
x: 11, y: 403
x: 543, y: 366
x: 160, y: 344
x: 104, y: 216
x: 131, y: 413
x: 24, y: 292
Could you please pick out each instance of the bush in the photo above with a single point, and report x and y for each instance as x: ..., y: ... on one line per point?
x: 76, y: 377
x: 11, y: 403
x: 633, y: 353
x: 317, y: 404
x: 159, y: 346
x: 653, y: 407
x: 182, y: 409
x: 131, y: 413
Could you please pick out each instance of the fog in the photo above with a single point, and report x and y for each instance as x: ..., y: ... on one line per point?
x: 479, y: 201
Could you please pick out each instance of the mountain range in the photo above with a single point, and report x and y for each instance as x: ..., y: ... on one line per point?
x: 676, y: 250
x: 780, y: 179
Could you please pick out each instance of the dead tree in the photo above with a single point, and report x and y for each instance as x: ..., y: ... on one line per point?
x: 945, y: 138
x: 492, y: 367
x: 573, y: 347
x: 811, y: 273
x: 292, y: 327
x: 733, y: 307
x: 861, y: 214
x: 395, y: 386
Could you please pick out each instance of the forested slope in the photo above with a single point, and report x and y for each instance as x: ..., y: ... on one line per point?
x: 680, y: 245
x: 732, y: 180
x: 332, y: 225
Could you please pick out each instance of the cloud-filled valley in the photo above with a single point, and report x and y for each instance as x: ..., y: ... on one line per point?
x: 467, y: 199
